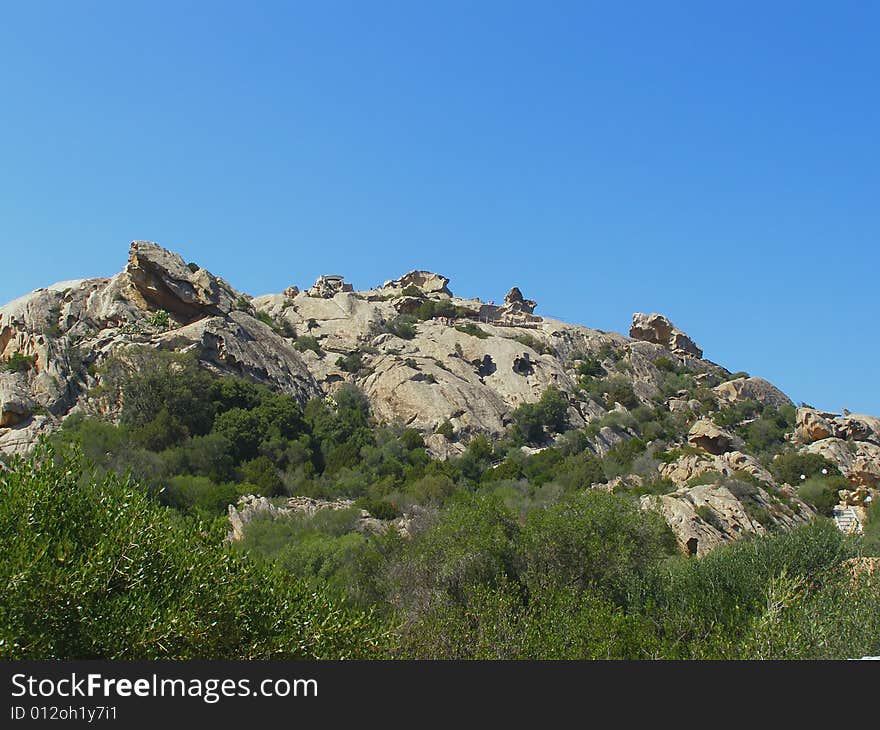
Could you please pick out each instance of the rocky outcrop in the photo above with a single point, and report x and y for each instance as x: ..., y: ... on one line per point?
x: 252, y: 507
x: 858, y: 461
x: 814, y: 425
x: 705, y: 516
x: 515, y: 302
x: 243, y: 346
x: 756, y: 389
x: 161, y: 280
x: 659, y: 330
x: 16, y: 405
x: 705, y: 435
x: 427, y: 282
x: 689, y: 466
x: 328, y: 286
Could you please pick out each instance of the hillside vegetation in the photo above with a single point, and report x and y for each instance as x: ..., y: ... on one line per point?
x: 190, y: 472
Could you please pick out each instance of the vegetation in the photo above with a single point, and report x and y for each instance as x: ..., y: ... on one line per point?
x: 160, y: 319
x: 113, y: 537
x: 19, y: 363
x: 308, y: 342
x: 93, y: 568
x: 402, y: 326
x: 469, y: 328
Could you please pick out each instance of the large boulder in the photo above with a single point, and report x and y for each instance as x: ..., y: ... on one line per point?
x: 690, y: 466
x: 705, y: 516
x: 427, y: 282
x: 756, y: 389
x: 659, y: 330
x: 705, y: 435
x: 698, y: 531
x: 162, y: 280
x: 814, y: 425
x: 328, y: 286
x: 16, y: 405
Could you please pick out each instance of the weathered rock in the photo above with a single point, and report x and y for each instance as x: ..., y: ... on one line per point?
x: 705, y: 435
x: 858, y: 461
x: 690, y: 466
x: 162, y: 280
x: 814, y: 425
x: 707, y: 515
x: 427, y: 282
x: 659, y: 330
x: 241, y: 345
x: 756, y: 389
x: 16, y: 405
x: 252, y: 506
x: 515, y: 302
x: 21, y: 438
x: 726, y: 517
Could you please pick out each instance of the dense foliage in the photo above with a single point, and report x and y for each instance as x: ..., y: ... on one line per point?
x: 94, y: 568
x: 509, y: 553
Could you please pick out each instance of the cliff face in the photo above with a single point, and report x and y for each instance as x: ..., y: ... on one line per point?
x: 423, y: 357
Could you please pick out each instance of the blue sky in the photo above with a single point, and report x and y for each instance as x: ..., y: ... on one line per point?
x: 717, y: 162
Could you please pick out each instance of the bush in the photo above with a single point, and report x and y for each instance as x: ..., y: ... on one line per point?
x: 591, y: 368
x: 619, y: 390
x: 789, y: 468
x: 822, y: 493
x: 19, y: 363
x: 308, y: 342
x: 160, y: 319
x: 534, y: 343
x: 402, y: 326
x: 469, y: 328
x: 166, y: 396
x: 593, y: 540
x: 200, y: 496
x: 351, y: 363
x: 550, y: 412
x: 93, y: 569
x: 446, y: 430
x: 474, y: 542
x: 413, y: 291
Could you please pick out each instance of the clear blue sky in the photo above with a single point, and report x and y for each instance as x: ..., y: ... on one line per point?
x: 717, y: 162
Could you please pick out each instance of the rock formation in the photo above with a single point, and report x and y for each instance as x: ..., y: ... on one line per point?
x: 659, y: 330
x: 460, y: 361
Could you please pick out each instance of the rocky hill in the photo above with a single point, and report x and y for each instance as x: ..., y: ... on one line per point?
x: 450, y: 367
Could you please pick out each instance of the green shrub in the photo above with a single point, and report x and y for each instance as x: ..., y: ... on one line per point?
x: 593, y: 540
x: 308, y: 342
x: 93, y: 569
x: 402, y: 326
x: 534, y: 343
x: 19, y: 363
x: 474, y: 542
x: 381, y: 509
x: 413, y: 291
x: 789, y: 468
x: 351, y: 363
x: 160, y: 319
x: 469, y: 328
x: 446, y: 430
x: 821, y: 493
x: 619, y: 390
x: 550, y: 413
x: 591, y: 368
